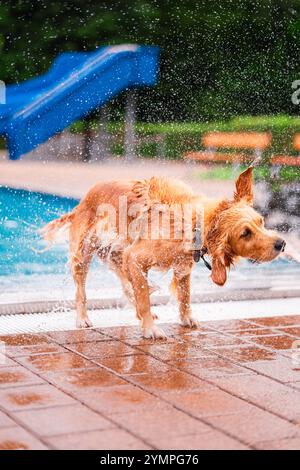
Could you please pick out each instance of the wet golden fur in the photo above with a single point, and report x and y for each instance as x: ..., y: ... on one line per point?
x: 232, y: 229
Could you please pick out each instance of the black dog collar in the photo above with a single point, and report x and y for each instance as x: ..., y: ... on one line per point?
x: 200, y: 250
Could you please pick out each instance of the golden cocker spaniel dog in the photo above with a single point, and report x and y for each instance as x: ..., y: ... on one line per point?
x: 134, y: 226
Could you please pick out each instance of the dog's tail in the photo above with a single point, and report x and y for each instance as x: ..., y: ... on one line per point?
x: 49, y: 231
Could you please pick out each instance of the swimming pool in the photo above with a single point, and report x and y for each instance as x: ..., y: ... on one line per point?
x: 28, y: 275
x: 22, y: 213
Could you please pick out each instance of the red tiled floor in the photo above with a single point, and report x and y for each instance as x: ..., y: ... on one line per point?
x: 275, y: 342
x: 122, y: 332
x: 276, y: 398
x: 210, y: 340
x: 45, y: 348
x: 6, y: 361
x: 18, y: 344
x: 110, y: 439
x: 135, y: 364
x: 133, y: 334
x: 255, y: 426
x: 152, y: 425
x: 5, y: 421
x: 54, y: 362
x: 224, y: 325
x: 245, y: 353
x: 282, y: 444
x: 213, y: 440
x: 281, y: 369
x: 254, y: 332
x: 295, y: 385
x: 210, y: 367
x: 288, y: 320
x: 86, y: 379
x: 122, y: 399
x: 173, y: 381
x: 76, y: 336
x: 205, y: 403
x: 16, y: 438
x: 23, y: 340
x: 138, y: 341
x: 229, y: 385
x: 291, y: 330
x: 16, y: 376
x: 171, y: 352
x: 102, y: 349
x: 62, y: 420
x: 31, y: 397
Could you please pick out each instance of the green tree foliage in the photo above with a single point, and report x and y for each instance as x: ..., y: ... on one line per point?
x: 219, y: 58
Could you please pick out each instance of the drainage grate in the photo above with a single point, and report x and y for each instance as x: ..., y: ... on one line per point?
x: 65, y: 320
x: 61, y: 321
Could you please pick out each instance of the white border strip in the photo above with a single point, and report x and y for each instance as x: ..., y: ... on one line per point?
x: 65, y: 320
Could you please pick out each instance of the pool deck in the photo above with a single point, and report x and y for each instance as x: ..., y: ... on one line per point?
x: 228, y: 385
x: 75, y: 179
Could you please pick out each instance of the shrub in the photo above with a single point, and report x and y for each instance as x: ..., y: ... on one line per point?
x: 179, y: 138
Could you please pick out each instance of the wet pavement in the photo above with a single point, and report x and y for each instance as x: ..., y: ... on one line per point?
x: 228, y: 385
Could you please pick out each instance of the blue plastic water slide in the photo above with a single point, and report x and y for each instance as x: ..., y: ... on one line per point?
x: 76, y: 84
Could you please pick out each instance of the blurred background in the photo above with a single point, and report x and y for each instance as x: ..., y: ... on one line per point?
x: 224, y: 66
x: 219, y: 59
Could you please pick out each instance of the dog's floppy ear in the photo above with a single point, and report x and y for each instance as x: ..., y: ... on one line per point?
x: 244, y: 186
x: 219, y: 272
x: 217, y: 245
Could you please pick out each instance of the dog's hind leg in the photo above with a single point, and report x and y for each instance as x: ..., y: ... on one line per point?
x: 80, y: 263
x: 79, y: 271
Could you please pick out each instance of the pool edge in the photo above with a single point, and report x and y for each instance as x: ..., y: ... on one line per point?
x: 110, y: 303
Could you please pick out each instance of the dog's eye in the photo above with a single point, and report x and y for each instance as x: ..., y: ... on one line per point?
x: 246, y: 233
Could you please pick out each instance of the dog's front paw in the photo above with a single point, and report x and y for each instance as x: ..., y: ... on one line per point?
x: 154, y: 333
x: 83, y: 322
x: 190, y: 322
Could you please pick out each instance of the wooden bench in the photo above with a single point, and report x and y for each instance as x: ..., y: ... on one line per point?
x: 285, y: 160
x: 288, y: 160
x: 297, y: 143
x: 257, y: 142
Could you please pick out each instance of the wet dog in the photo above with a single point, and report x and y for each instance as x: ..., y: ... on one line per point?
x: 161, y: 223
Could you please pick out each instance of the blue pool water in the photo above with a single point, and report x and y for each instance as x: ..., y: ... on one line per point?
x: 22, y: 213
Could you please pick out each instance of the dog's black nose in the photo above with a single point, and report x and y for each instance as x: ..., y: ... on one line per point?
x: 279, y: 244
